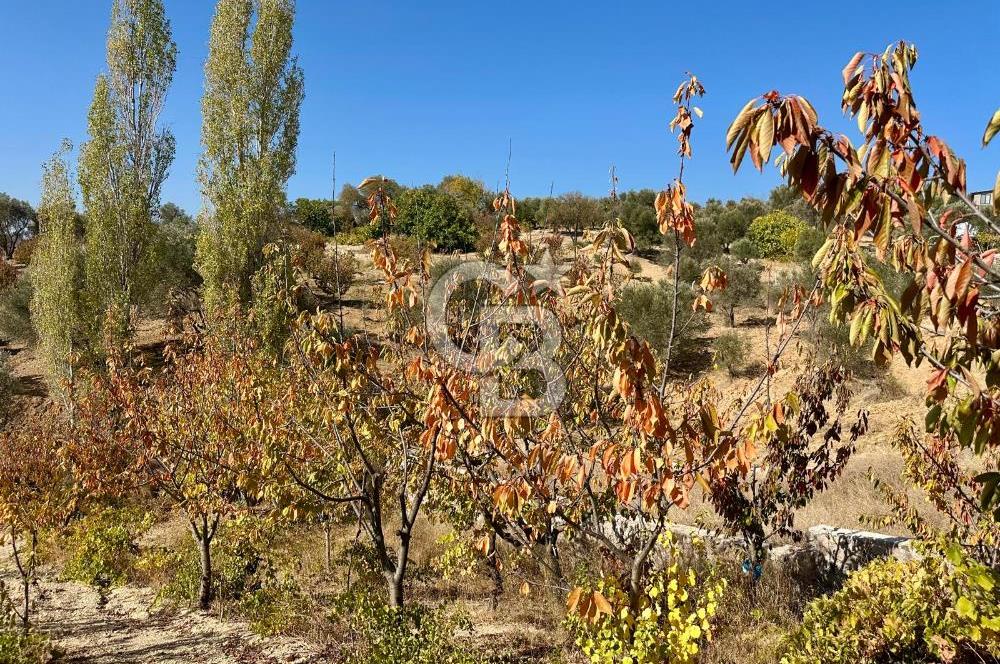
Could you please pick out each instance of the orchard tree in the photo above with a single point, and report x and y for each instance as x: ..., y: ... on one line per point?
x: 879, y: 201
x: 56, y: 272
x: 35, y: 495
x: 18, y: 222
x: 190, y: 433
x: 125, y: 161
x: 250, y: 129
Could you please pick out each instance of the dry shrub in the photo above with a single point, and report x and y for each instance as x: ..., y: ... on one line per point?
x: 24, y: 250
x: 8, y: 275
x: 754, y: 616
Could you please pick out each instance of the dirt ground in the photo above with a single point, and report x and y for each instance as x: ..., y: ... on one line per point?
x: 125, y: 628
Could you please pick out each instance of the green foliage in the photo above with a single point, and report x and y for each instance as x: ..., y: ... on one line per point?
x: 15, y: 311
x: 18, y: 221
x: 573, y: 212
x: 743, y: 286
x: 55, y: 273
x: 384, y: 635
x: 471, y: 195
x: 316, y: 214
x: 774, y: 235
x: 247, y: 578
x: 732, y: 352
x: 669, y: 623
x: 250, y: 128
x: 726, y: 223
x: 808, y: 243
x: 172, y: 254
x: 6, y: 389
x: 357, y: 235
x: 16, y: 647
x: 647, y: 309
x: 639, y: 217
x: 125, y: 161
x: 272, y: 287
x: 434, y: 216
x: 102, y: 546
x: 743, y: 249
x: 351, y: 209
x: 893, y: 611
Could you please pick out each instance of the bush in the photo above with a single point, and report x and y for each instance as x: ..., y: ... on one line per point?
x: 893, y: 611
x: 19, y: 648
x: 434, y: 216
x: 732, y: 352
x: 173, y: 255
x: 15, y: 312
x: 743, y: 249
x: 314, y: 214
x: 647, y: 309
x: 24, y: 250
x: 808, y: 243
x: 743, y: 287
x: 246, y: 576
x: 6, y: 389
x: 354, y: 236
x: 8, y: 276
x: 102, y: 546
x: 671, y: 620
x: 333, y: 274
x: 774, y: 235
x: 380, y: 634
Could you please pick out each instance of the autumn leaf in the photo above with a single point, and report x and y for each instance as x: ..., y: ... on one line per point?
x: 992, y: 128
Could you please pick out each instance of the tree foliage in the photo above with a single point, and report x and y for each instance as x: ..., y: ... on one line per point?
x: 56, y: 274
x: 125, y: 161
x: 775, y: 234
x: 18, y: 222
x: 250, y: 129
x: 435, y: 216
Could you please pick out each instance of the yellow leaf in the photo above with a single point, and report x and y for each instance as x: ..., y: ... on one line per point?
x: 992, y: 128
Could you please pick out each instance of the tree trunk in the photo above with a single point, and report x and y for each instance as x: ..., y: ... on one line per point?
x: 205, y: 593
x: 25, y: 569
x: 203, y: 537
x: 732, y: 316
x: 328, y: 543
x: 399, y: 573
x: 493, y: 565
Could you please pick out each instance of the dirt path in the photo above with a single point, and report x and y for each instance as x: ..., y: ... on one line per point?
x: 125, y: 629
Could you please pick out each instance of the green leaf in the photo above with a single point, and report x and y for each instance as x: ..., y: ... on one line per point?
x: 965, y: 608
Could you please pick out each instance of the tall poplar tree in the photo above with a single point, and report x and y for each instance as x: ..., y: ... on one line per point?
x: 250, y: 128
x: 55, y: 273
x: 123, y: 165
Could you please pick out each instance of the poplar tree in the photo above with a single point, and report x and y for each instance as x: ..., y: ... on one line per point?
x: 55, y: 273
x: 250, y: 127
x: 123, y: 165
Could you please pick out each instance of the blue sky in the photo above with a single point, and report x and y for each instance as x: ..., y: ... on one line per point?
x: 420, y: 89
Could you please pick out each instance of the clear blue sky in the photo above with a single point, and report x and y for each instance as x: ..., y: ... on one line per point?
x: 420, y: 89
